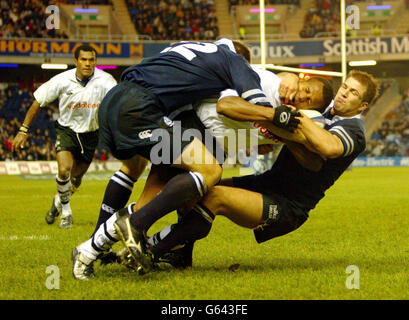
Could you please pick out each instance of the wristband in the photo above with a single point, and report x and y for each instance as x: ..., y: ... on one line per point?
x: 23, y: 129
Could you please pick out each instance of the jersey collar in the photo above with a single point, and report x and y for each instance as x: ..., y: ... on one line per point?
x: 85, y: 81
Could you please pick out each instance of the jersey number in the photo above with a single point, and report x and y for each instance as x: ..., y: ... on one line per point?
x: 186, y: 49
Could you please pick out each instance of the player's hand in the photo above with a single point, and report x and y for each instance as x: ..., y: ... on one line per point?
x: 288, y: 87
x: 19, y: 141
x: 285, y: 117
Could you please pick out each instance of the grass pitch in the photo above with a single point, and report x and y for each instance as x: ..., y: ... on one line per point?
x: 362, y: 221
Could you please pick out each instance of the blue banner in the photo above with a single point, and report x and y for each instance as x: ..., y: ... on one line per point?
x: 381, y: 162
x: 275, y: 49
x: 52, y: 48
x: 332, y: 47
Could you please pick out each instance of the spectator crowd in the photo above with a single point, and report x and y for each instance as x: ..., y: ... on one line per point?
x: 322, y: 18
x: 174, y: 19
x: 14, y: 103
x: 392, y: 138
x: 25, y: 19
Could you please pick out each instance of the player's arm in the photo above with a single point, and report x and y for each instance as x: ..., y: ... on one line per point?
x: 240, y: 109
x: 306, y: 158
x: 21, y: 136
x: 318, y: 140
x: 295, y: 141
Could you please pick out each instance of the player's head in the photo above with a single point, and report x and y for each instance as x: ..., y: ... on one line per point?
x: 315, y: 93
x: 242, y: 49
x: 85, y: 59
x: 356, y: 94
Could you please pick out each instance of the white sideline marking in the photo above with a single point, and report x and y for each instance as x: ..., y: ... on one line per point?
x: 27, y: 237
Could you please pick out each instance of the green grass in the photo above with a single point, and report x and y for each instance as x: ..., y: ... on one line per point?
x: 362, y: 221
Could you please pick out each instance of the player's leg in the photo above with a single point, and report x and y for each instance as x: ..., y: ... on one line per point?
x: 65, y: 161
x: 201, y: 172
x: 243, y: 207
x: 78, y: 170
x: 117, y: 194
x: 119, y: 187
x: 193, y: 183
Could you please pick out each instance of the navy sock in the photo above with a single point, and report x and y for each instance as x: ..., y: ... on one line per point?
x: 178, y: 192
x: 117, y: 194
x: 195, y: 225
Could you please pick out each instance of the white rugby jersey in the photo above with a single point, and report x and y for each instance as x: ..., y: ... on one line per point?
x: 78, y: 105
x: 219, y: 125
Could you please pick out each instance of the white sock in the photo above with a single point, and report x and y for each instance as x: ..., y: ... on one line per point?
x: 64, y: 194
x: 57, y: 201
x: 66, y: 210
x: 102, y: 240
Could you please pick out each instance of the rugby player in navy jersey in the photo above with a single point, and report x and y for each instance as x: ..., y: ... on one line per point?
x: 140, y: 104
x: 278, y: 201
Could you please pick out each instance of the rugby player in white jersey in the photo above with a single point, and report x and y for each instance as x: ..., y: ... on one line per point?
x: 79, y: 92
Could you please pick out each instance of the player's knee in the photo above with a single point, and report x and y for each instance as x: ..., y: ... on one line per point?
x: 212, y: 174
x: 135, y: 167
x: 64, y: 172
x: 214, y: 200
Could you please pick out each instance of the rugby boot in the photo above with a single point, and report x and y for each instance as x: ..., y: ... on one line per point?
x: 82, y: 266
x: 134, y: 240
x: 53, y: 213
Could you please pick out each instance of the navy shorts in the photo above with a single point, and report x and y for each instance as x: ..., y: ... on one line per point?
x: 132, y: 121
x: 284, y: 215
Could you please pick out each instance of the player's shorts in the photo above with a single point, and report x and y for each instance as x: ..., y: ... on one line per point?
x: 284, y: 215
x: 189, y: 119
x: 81, y: 145
x: 132, y: 121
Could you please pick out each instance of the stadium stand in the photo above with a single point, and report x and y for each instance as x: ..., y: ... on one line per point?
x: 25, y: 19
x: 175, y: 20
x: 392, y: 138
x: 14, y: 103
x: 322, y: 19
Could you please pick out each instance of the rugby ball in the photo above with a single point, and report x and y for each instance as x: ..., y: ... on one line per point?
x: 315, y: 116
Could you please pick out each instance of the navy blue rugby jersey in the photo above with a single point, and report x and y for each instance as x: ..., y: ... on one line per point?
x: 186, y: 72
x: 306, y: 188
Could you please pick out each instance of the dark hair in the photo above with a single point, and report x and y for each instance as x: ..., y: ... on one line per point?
x: 327, y: 92
x: 84, y: 47
x: 242, y: 49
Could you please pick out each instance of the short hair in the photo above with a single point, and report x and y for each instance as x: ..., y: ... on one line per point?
x: 327, y: 92
x: 242, y: 49
x: 84, y: 47
x: 370, y: 83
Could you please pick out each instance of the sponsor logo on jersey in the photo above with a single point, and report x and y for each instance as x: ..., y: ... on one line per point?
x: 145, y: 134
x: 264, y: 132
x: 168, y: 122
x: 272, y: 211
x: 84, y: 105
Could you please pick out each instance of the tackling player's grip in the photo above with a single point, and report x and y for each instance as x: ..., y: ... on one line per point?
x: 285, y: 118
